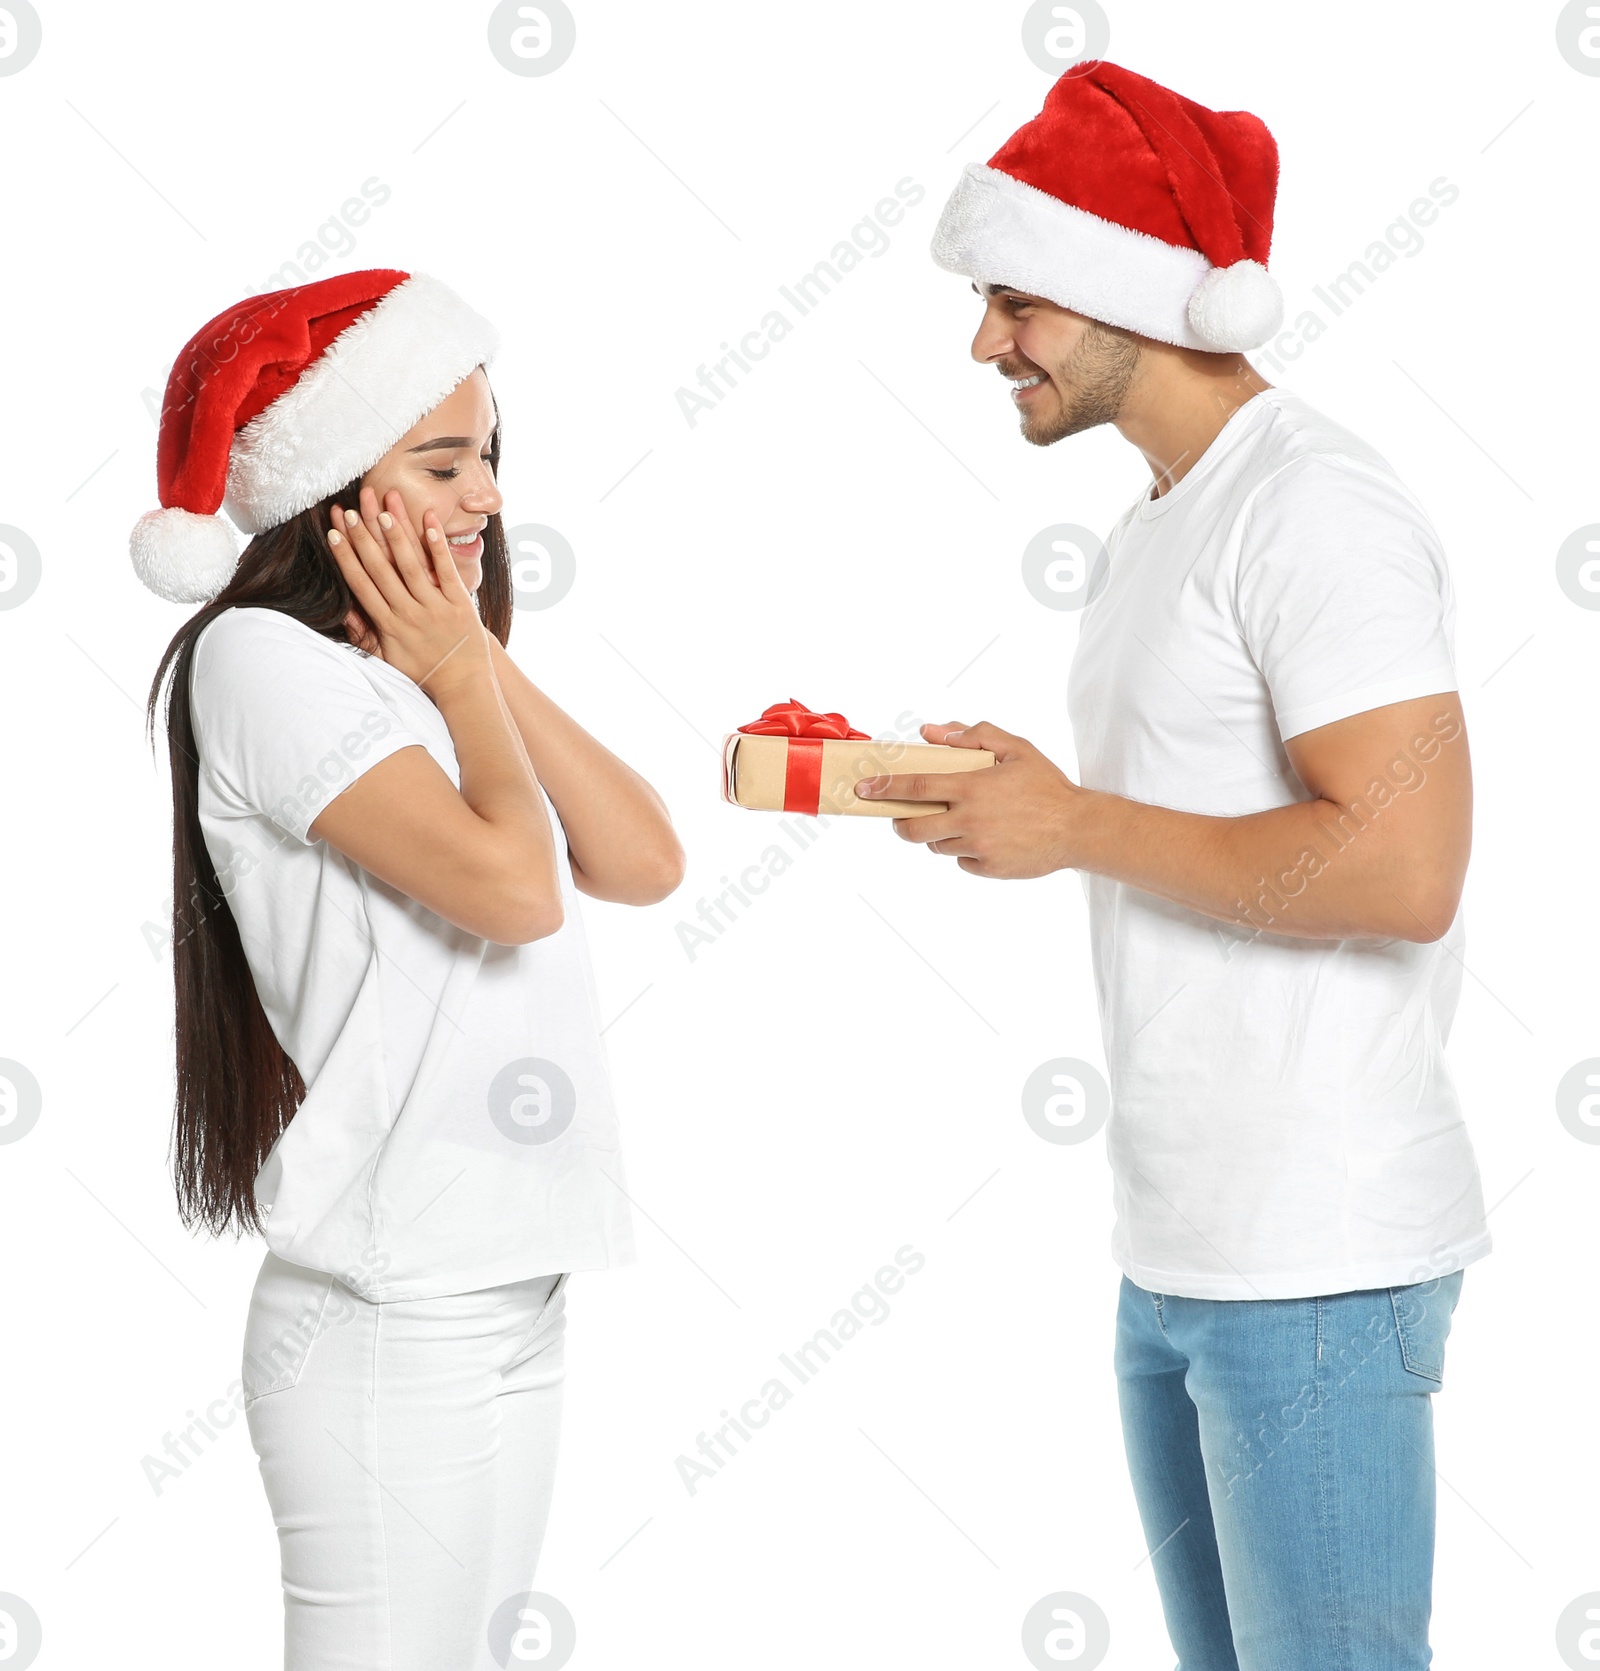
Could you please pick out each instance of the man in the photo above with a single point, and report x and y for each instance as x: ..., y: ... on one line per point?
x: 1272, y: 828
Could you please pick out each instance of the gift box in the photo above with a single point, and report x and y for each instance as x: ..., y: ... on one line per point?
x: 794, y: 760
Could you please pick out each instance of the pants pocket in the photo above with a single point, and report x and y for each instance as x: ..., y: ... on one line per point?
x: 554, y: 1307
x: 290, y: 1309
x: 1422, y: 1313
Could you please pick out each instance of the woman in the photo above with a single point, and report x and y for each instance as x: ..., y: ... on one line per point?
x: 388, y: 1052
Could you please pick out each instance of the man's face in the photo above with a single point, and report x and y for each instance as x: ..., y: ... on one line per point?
x: 1067, y: 372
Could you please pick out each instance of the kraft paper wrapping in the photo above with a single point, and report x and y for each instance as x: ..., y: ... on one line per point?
x: 755, y: 770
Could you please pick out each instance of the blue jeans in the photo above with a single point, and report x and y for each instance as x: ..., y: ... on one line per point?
x: 1282, y: 1458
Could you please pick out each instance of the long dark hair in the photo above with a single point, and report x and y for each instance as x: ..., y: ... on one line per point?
x: 236, y: 1087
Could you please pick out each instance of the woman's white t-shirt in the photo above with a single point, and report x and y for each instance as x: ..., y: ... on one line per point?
x: 1283, y: 1122
x: 457, y: 1130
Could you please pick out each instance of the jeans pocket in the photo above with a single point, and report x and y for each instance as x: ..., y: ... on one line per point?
x: 289, y: 1311
x: 1422, y: 1312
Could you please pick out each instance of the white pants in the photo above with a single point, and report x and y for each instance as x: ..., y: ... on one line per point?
x: 408, y: 1449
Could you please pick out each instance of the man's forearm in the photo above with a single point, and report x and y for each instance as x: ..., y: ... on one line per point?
x: 1312, y: 870
x: 617, y: 826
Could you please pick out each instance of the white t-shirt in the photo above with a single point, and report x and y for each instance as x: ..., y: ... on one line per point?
x: 457, y: 1130
x: 1283, y: 1123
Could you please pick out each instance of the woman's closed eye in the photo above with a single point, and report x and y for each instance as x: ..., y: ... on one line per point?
x: 454, y: 471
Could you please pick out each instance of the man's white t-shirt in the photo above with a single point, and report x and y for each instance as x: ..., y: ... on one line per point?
x: 457, y: 1130
x: 1283, y: 1122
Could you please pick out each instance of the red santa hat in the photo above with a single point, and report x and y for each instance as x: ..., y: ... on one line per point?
x: 284, y: 398
x: 1125, y: 202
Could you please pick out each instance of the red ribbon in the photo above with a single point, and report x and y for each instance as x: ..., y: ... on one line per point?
x: 807, y: 731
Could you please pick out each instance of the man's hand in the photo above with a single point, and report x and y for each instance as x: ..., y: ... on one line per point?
x: 1020, y: 817
x: 1378, y: 850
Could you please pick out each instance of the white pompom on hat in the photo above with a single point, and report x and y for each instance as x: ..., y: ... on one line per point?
x: 1125, y: 202
x: 283, y: 399
x: 183, y: 556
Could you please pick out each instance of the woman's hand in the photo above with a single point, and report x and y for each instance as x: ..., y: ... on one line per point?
x: 419, y: 617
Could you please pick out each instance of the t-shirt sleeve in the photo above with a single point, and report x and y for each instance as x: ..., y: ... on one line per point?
x: 284, y: 719
x: 1343, y: 595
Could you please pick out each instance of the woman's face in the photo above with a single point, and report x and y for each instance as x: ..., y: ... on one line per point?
x: 442, y: 464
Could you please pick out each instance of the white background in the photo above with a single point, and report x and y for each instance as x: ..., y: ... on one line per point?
x: 839, y: 1073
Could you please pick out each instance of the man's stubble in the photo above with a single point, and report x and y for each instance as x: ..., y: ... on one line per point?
x: 1091, y: 385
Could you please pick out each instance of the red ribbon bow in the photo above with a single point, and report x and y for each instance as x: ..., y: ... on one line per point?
x: 807, y: 731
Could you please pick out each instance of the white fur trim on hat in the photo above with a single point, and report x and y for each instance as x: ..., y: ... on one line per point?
x: 349, y: 406
x: 182, y: 556
x: 999, y: 231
